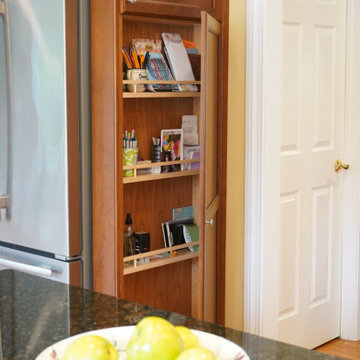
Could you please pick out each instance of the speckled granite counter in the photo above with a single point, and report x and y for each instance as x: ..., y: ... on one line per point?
x: 36, y: 312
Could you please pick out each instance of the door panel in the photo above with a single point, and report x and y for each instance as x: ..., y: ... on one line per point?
x: 211, y: 119
x: 211, y: 31
x: 311, y: 141
x: 42, y: 146
x: 210, y: 272
x: 175, y: 8
x: 3, y: 110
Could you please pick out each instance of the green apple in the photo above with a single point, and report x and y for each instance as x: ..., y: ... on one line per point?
x: 188, y: 337
x: 91, y: 347
x: 154, y: 338
x: 196, y: 353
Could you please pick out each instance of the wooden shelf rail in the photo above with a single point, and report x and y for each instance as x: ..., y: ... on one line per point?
x: 170, y: 254
x: 161, y: 94
x: 148, y: 177
x: 162, y: 82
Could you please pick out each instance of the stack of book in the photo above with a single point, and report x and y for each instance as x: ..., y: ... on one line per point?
x: 157, y: 69
x: 181, y: 229
x: 190, y: 47
x: 178, y: 60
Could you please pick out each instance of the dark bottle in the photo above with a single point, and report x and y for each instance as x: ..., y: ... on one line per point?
x: 129, y: 238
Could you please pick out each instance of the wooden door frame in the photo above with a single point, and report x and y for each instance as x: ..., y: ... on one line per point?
x: 262, y: 175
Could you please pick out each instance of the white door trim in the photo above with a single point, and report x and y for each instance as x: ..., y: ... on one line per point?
x: 350, y: 322
x: 263, y: 117
x: 254, y: 166
x: 262, y: 161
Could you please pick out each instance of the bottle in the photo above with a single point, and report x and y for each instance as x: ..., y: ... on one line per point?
x: 129, y: 238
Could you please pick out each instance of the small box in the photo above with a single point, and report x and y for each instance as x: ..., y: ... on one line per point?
x: 142, y: 244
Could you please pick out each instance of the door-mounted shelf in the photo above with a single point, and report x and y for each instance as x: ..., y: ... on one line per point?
x: 160, y: 94
x: 165, y: 82
x: 151, y: 176
x: 160, y: 257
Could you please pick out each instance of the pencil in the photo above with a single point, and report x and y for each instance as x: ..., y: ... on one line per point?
x: 135, y: 59
x: 127, y: 57
x: 127, y: 61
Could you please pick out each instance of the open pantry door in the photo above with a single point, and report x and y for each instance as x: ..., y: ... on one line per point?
x: 210, y: 200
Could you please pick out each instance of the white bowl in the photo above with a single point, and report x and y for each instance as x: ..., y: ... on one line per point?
x: 119, y: 336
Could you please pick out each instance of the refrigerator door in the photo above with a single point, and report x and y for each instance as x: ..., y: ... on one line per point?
x: 42, y: 169
x: 5, y: 99
x: 62, y: 271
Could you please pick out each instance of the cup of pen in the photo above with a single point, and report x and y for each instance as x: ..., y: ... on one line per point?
x: 155, y: 157
x: 130, y: 158
x: 136, y: 74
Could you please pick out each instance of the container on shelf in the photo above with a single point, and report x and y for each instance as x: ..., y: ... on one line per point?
x: 129, y: 238
x: 130, y: 158
x: 136, y: 74
x: 155, y: 157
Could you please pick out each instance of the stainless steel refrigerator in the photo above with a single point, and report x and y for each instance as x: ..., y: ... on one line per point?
x: 45, y: 190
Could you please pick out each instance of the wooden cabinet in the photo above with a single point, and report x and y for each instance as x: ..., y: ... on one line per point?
x: 190, y: 283
x: 173, y: 8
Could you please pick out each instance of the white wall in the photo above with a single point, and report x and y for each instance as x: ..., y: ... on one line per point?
x: 234, y: 286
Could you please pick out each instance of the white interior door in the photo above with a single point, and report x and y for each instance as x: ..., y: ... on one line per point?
x: 305, y: 296
x: 312, y: 135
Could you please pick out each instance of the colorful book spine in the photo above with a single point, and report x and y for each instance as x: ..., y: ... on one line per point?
x: 157, y: 69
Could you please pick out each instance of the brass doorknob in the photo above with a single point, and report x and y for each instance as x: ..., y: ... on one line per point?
x: 340, y: 165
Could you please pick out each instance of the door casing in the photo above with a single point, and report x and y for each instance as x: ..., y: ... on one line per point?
x: 262, y: 176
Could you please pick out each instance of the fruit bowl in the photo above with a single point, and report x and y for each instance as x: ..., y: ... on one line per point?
x: 119, y: 336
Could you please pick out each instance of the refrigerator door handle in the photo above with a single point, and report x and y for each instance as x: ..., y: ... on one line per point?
x: 4, y: 198
x: 15, y: 265
x: 4, y: 201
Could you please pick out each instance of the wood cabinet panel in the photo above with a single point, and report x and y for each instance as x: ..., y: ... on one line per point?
x: 173, y: 8
x: 178, y: 286
x: 104, y: 165
x: 162, y: 287
x: 149, y: 116
x: 151, y: 203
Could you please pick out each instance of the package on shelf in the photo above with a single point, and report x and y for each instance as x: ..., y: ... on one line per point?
x: 146, y: 170
x: 151, y: 45
x: 189, y: 126
x: 189, y: 151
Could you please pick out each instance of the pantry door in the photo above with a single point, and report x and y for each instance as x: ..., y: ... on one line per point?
x: 209, y: 178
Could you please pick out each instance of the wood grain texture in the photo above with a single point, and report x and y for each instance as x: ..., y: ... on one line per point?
x: 175, y: 9
x: 210, y: 141
x: 167, y: 287
x: 223, y: 126
x: 151, y: 203
x: 345, y: 349
x: 149, y: 116
x: 139, y: 27
x: 164, y: 94
x: 153, y: 177
x: 181, y: 255
x: 104, y: 165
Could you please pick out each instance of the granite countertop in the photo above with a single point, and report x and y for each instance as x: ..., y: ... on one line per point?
x: 36, y: 312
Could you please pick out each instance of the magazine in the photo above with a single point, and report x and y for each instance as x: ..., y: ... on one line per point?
x: 173, y: 231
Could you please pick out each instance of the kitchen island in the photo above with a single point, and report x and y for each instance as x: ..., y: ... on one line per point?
x: 36, y: 312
